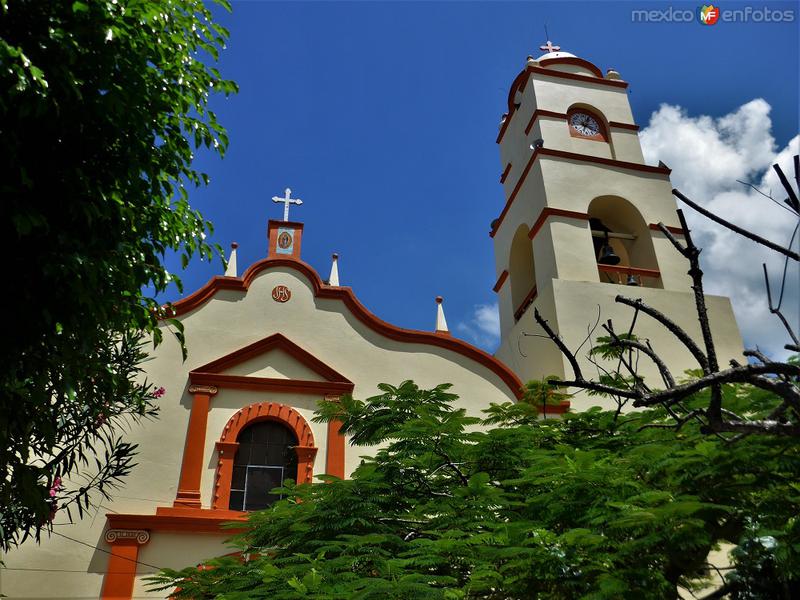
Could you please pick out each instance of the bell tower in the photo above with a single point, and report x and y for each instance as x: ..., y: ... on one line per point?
x: 579, y: 224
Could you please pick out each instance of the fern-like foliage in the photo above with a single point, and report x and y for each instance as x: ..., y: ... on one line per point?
x: 593, y: 505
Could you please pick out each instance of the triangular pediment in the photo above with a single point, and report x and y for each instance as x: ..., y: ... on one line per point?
x: 274, y: 362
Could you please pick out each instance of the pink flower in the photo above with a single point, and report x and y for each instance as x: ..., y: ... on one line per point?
x: 56, y: 487
x: 158, y: 392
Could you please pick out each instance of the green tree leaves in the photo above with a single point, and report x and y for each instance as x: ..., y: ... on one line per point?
x: 593, y: 505
x: 102, y: 107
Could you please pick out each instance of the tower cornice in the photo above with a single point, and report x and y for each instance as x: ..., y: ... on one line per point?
x: 550, y: 152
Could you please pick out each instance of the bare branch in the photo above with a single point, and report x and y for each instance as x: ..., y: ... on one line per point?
x: 767, y: 196
x: 743, y: 232
x: 792, y: 199
x: 679, y: 421
x: 743, y: 374
x: 597, y: 387
x: 776, y: 310
x: 670, y: 325
x: 647, y: 350
x: 576, y: 369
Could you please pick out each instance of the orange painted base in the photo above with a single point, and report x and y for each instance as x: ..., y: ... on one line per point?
x: 118, y: 582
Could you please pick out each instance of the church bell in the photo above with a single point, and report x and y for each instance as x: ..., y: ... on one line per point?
x: 632, y: 280
x: 607, y: 256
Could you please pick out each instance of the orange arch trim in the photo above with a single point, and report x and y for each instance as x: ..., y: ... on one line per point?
x: 263, y: 411
x: 268, y: 411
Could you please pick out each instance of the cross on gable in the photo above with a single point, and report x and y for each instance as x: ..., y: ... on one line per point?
x: 548, y: 47
x: 287, y: 200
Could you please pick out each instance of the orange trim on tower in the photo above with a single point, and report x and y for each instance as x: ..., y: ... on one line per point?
x: 345, y: 295
x: 500, y: 281
x: 549, y: 152
x: 505, y: 173
x: 503, y: 127
x: 670, y: 228
x: 618, y: 125
x: 549, y: 211
x: 543, y: 113
x: 630, y: 270
x: 575, y: 77
x: 525, y: 304
x: 557, y: 115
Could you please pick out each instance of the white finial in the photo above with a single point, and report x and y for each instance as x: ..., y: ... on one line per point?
x: 231, y: 270
x: 334, y: 278
x: 287, y: 200
x: 441, y: 322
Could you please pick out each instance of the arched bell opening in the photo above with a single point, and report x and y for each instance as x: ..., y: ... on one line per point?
x: 522, y: 271
x: 622, y: 243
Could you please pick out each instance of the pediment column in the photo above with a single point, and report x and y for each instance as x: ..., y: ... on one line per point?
x: 188, y: 495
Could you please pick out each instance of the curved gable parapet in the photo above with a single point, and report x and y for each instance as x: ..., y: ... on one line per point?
x: 346, y: 295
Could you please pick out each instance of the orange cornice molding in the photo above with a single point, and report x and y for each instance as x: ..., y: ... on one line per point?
x: 197, y: 520
x: 576, y: 77
x: 557, y: 115
x: 550, y: 152
x: 270, y: 384
x: 618, y: 125
x: 346, y: 295
x: 549, y: 211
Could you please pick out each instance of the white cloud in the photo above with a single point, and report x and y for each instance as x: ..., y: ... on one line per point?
x: 707, y: 156
x: 483, y: 328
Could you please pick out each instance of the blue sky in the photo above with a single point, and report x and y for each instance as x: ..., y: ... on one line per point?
x: 382, y: 117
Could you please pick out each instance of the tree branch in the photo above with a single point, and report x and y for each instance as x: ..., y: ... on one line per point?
x: 670, y: 325
x: 743, y: 232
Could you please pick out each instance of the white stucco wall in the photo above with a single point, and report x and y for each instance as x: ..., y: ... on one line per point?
x: 229, y: 321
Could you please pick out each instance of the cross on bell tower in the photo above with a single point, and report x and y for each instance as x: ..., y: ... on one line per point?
x: 285, y: 236
x: 287, y: 200
x: 549, y: 47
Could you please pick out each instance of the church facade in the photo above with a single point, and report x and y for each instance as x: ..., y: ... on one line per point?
x: 265, y: 346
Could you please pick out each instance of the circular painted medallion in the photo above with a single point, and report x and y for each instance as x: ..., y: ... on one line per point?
x: 281, y: 293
